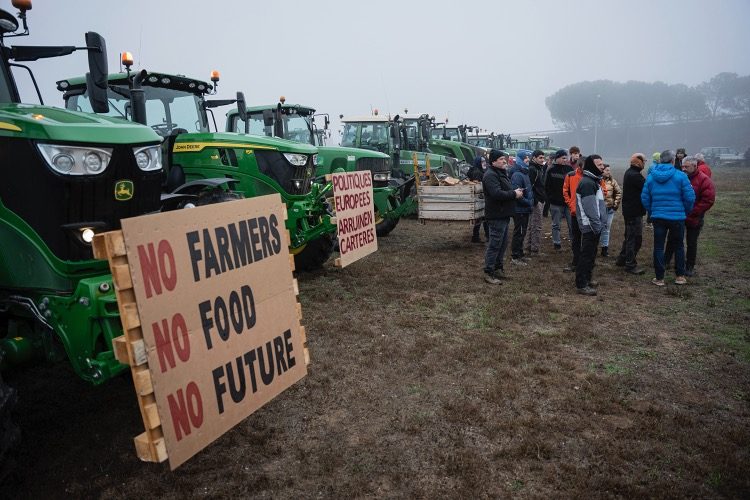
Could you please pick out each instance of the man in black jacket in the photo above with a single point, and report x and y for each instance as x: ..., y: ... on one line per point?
x: 553, y: 187
x: 537, y: 170
x: 591, y: 214
x: 633, y: 212
x: 476, y: 173
x: 499, y: 206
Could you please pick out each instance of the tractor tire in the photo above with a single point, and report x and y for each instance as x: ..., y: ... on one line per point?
x: 10, y: 433
x: 385, y: 227
x: 315, y: 253
x: 216, y: 196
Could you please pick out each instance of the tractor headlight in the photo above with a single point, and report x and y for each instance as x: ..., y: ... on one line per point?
x: 148, y: 158
x: 93, y: 161
x: 87, y: 234
x: 76, y: 160
x: 382, y: 177
x: 317, y: 159
x: 298, y: 160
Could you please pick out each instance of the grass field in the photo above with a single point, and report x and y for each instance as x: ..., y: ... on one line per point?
x: 427, y: 382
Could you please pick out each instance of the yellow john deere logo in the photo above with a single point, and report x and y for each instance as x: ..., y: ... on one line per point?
x: 124, y: 190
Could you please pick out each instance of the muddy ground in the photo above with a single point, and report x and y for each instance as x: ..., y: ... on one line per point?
x: 426, y: 382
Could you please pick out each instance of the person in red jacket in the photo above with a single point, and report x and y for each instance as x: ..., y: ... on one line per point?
x: 705, y: 195
x: 702, y: 165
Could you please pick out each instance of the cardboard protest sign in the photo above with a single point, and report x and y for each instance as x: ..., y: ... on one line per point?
x: 355, y: 215
x: 216, y: 298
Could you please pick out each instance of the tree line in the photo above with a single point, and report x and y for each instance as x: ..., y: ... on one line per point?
x: 606, y: 104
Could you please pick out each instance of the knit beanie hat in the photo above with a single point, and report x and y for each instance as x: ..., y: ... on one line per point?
x: 559, y: 154
x: 495, y: 154
x: 523, y: 154
x: 656, y: 157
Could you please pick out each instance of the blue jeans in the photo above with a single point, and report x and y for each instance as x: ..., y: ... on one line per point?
x: 558, y: 212
x: 673, y: 232
x: 496, y: 245
x: 604, y: 240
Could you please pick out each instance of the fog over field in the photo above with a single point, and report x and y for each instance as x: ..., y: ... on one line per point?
x: 482, y: 63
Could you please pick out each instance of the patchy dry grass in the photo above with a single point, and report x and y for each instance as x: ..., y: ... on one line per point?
x: 426, y: 382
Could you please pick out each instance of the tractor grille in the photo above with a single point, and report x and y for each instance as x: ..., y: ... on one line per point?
x: 293, y: 180
x: 48, y: 201
x: 374, y: 165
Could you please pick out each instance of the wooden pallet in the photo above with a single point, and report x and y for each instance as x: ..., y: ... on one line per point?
x: 130, y: 348
x: 463, y: 202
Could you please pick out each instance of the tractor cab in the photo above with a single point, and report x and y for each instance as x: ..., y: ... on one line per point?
x: 457, y: 134
x: 175, y: 107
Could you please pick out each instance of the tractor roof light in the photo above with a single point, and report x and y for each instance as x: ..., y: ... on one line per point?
x: 215, y: 75
x: 282, y: 99
x: 126, y: 58
x: 22, y: 5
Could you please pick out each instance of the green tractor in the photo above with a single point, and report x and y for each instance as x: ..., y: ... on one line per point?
x: 486, y: 141
x: 297, y: 122
x: 176, y: 108
x: 531, y: 143
x: 401, y: 139
x: 453, y: 141
x: 68, y: 175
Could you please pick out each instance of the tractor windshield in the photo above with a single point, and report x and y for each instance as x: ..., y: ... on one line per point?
x: 166, y: 109
x: 483, y: 142
x: 295, y: 125
x: 450, y: 134
x: 349, y: 135
x: 374, y: 136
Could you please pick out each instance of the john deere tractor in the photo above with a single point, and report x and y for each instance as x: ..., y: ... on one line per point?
x: 67, y: 176
x: 177, y: 108
x: 297, y: 122
x: 400, y: 139
x: 531, y: 143
x: 485, y: 140
x: 453, y: 141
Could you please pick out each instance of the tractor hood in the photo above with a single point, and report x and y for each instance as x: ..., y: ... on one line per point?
x: 247, y: 141
x: 356, y: 152
x: 47, y: 123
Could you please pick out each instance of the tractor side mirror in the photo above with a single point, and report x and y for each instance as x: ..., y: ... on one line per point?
x: 268, y: 118
x: 242, y: 111
x: 395, y: 135
x: 425, y: 130
x: 96, y: 78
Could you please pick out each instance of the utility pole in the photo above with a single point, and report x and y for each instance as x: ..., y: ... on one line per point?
x: 596, y: 122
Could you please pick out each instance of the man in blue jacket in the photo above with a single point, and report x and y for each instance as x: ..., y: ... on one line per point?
x: 668, y: 198
x: 499, y: 206
x: 519, y: 177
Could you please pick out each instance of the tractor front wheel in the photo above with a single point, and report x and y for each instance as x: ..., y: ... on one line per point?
x: 384, y: 226
x: 315, y: 253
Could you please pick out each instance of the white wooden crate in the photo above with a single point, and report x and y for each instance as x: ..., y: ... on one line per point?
x: 459, y: 203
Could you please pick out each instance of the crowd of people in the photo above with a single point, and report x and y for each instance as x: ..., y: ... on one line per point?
x: 674, y: 195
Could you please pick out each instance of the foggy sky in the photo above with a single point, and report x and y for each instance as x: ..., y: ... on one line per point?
x: 486, y: 63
